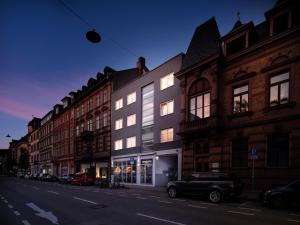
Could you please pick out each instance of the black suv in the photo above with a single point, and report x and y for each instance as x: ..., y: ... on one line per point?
x: 216, y: 186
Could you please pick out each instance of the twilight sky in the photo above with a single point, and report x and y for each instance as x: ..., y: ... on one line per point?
x: 44, y: 54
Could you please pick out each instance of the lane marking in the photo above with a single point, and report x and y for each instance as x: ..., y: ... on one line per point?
x: 179, y: 200
x: 242, y: 213
x: 257, y: 210
x: 207, y: 203
x: 85, y: 200
x: 5, y: 201
x: 43, y: 213
x: 291, y: 220
x: 2, y: 198
x: 141, y: 198
x: 165, y: 202
x: 153, y: 196
x: 36, y: 188
x: 25, y: 222
x: 17, y: 213
x: 10, y: 206
x: 53, y: 192
x: 197, y: 206
x: 293, y: 214
x: 160, y: 219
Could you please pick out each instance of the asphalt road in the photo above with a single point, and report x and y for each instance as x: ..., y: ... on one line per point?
x: 28, y: 202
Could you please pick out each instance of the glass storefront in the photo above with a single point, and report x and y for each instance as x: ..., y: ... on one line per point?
x: 146, y: 171
x: 125, y: 171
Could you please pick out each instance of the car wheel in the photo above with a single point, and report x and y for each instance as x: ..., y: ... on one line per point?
x: 215, y: 196
x: 278, y: 202
x: 172, y: 192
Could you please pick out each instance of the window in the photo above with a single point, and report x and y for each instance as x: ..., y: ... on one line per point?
x: 82, y: 109
x: 104, y: 119
x: 118, y: 124
x: 119, y: 144
x: 97, y: 122
x: 97, y: 100
x: 279, y: 89
x: 104, y: 95
x: 239, y: 152
x: 240, y: 99
x: 131, y: 142
x: 281, y: 23
x: 236, y: 45
x: 278, y: 150
x: 131, y: 120
x: 82, y: 127
x: 166, y: 108
x: 77, y: 112
x: 90, y: 125
x: 148, y: 105
x: 167, y: 135
x: 90, y: 105
x: 199, y: 100
x: 119, y: 104
x: 131, y: 98
x: 167, y: 81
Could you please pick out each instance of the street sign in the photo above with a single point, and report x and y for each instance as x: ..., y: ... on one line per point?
x: 131, y: 160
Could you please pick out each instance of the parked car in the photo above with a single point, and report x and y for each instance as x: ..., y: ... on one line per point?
x: 65, y: 179
x: 82, y: 179
x: 284, y: 196
x: 214, y: 185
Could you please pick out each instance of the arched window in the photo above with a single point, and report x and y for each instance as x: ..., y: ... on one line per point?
x: 199, y: 100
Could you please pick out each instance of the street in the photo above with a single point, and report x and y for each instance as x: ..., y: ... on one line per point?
x: 39, y: 203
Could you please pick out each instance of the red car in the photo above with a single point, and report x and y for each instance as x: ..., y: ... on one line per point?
x: 82, y: 179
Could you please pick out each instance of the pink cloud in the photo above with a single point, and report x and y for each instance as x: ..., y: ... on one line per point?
x: 19, y: 109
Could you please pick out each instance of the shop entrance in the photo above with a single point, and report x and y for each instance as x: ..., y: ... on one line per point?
x: 146, y: 171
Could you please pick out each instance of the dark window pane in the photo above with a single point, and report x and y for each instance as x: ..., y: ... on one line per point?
x: 278, y: 150
x: 240, y: 152
x: 281, y: 23
x: 236, y: 45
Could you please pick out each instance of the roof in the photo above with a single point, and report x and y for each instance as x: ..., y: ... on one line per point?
x: 203, y: 44
x: 123, y: 77
x: 262, y: 30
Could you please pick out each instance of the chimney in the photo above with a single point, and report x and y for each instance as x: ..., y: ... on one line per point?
x: 141, y: 65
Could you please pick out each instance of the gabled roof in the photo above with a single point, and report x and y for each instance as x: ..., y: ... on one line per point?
x: 203, y: 44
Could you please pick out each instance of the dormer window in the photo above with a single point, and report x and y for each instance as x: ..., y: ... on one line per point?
x: 281, y: 23
x: 237, y: 44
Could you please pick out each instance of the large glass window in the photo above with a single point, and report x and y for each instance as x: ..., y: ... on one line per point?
x: 279, y: 89
x: 125, y: 171
x: 167, y: 108
x: 131, y: 120
x: 239, y: 152
x: 199, y: 100
x: 278, y: 150
x: 240, y: 99
x: 167, y: 135
x: 119, y: 104
x: 148, y: 105
x: 167, y: 81
x: 146, y: 171
x: 90, y: 125
x: 131, y: 98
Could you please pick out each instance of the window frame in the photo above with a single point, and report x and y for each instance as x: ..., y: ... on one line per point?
x: 128, y: 96
x: 195, y: 97
x: 167, y: 130
x: 240, y: 95
x: 121, y: 124
x: 134, y: 120
x: 166, y: 102
x: 278, y: 84
x: 168, y: 85
x: 117, y: 102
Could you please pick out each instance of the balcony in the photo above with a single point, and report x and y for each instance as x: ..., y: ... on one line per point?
x: 199, y: 125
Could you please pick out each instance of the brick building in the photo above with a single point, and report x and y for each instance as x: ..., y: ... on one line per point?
x: 240, y: 96
x: 33, y: 140
x: 63, y: 137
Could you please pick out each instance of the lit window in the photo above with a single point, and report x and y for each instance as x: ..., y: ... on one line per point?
x: 131, y: 98
x: 119, y: 104
x: 131, y: 120
x: 118, y: 124
x: 119, y: 144
x: 97, y: 122
x: 167, y: 108
x: 240, y: 99
x: 279, y: 89
x: 167, y: 135
x: 167, y: 81
x: 97, y: 100
x: 131, y: 142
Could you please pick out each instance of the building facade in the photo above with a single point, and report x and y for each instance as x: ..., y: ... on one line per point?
x: 240, y: 99
x: 63, y: 137
x: 33, y: 141
x: 46, y: 144
x: 146, y: 149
